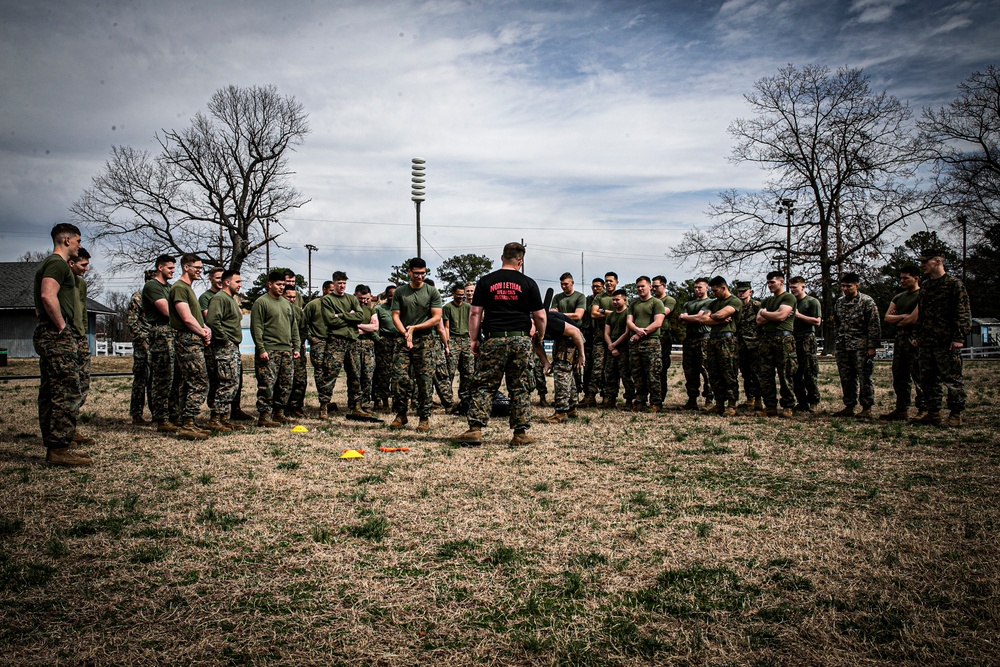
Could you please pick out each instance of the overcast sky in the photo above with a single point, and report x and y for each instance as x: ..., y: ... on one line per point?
x: 582, y: 127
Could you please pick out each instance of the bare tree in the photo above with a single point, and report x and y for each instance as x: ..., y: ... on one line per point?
x: 847, y: 157
x: 964, y: 138
x: 216, y: 188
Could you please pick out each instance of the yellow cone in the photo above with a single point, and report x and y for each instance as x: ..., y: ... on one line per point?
x: 352, y: 454
x: 299, y: 429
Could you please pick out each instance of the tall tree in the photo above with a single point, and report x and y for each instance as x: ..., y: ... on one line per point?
x: 964, y: 138
x: 398, y: 272
x: 215, y: 188
x: 462, y: 269
x: 847, y: 157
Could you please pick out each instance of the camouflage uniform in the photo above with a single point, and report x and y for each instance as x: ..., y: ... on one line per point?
x: 274, y: 380
x: 858, y: 330
x: 563, y: 354
x: 228, y: 368
x: 341, y: 353
x: 384, y: 346
x: 82, y: 344
x: 618, y: 369
x: 945, y: 318
x: 366, y: 368
x: 720, y: 352
x: 589, y: 338
x: 538, y: 374
x: 693, y: 360
x: 747, y: 347
x: 905, y: 357
x: 776, y: 355
x: 413, y: 370
x: 210, y: 365
x: 442, y: 380
x: 666, y: 341
x: 141, y: 377
x: 300, y: 371
x: 163, y: 399
x: 500, y: 359
x: 600, y: 352
x: 806, y: 381
x: 462, y: 362
x: 59, y: 389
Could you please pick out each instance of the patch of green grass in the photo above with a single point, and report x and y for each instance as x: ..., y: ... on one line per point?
x: 10, y: 525
x: 453, y: 548
x: 588, y: 560
x: 148, y: 554
x: 205, y: 478
x: 322, y: 535
x: 288, y: 465
x: 221, y: 520
x: 374, y: 478
x: 693, y: 592
x: 540, y: 487
x: 702, y: 529
x: 852, y: 464
x: 501, y: 554
x: 157, y: 533
x: 374, y: 528
x: 55, y: 547
x: 16, y: 576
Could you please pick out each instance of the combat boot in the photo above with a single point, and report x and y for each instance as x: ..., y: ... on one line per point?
x: 165, y: 426
x: 471, y: 438
x: 786, y: 413
x: 399, y: 422
x: 758, y: 404
x: 608, y: 404
x: 653, y: 409
x: 265, y: 420
x: 930, y: 419
x: 279, y: 416
x: 139, y: 421
x: 189, y: 431
x: 556, y: 418
x: 224, y: 420
x: 572, y: 414
x: 954, y: 419
x: 237, y: 414
x: 589, y: 401
x: 638, y: 406
x: 298, y: 414
x: 710, y: 408
x: 521, y: 438
x: 64, y: 456
x: 424, y: 426
x: 730, y: 410
x: 897, y: 415
x: 768, y: 412
x: 542, y: 403
x: 80, y: 440
x: 215, y: 424
x: 847, y: 411
x: 692, y: 404
x: 322, y: 415
x: 747, y: 405
x: 866, y: 413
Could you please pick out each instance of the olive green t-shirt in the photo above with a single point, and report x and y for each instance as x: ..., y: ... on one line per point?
x: 810, y: 307
x: 718, y: 304
x: 225, y: 318
x: 152, y: 292
x: 80, y: 316
x: 55, y: 267
x: 457, y: 318
x: 905, y: 303
x: 205, y: 298
x: 644, y: 312
x: 616, y: 323
x: 366, y: 313
x: 569, y: 304
x: 771, y: 304
x: 385, y: 326
x: 181, y: 292
x: 414, y: 306
x: 693, y: 307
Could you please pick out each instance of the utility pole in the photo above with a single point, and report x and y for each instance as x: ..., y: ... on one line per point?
x: 267, y: 245
x: 964, y: 221
x: 311, y: 248
x: 787, y: 206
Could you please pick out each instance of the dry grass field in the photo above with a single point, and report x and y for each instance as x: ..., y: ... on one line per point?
x: 617, y: 539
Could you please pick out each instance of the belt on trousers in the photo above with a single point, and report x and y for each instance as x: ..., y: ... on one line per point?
x: 804, y: 336
x: 696, y: 337
x: 774, y: 333
x: 721, y: 334
x: 505, y: 334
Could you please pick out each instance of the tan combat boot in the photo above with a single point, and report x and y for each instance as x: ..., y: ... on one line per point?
x: 265, y: 420
x: 556, y: 418
x: 730, y: 410
x: 954, y: 420
x: 520, y: 439
x: 471, y: 438
x: 64, y: 456
x: 189, y: 431
x: 224, y: 420
x: 423, y: 426
x: 280, y: 417
x: 399, y: 422
x: 165, y: 426
x: 215, y: 424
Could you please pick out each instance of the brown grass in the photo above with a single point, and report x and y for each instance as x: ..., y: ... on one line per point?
x: 616, y: 539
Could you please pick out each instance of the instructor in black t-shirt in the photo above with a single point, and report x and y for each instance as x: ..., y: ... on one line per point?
x: 503, y: 307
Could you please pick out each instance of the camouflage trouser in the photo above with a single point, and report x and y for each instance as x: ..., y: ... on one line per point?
x: 317, y: 353
x: 163, y: 397
x: 666, y: 343
x: 644, y: 362
x: 618, y: 369
x: 563, y: 355
x: 720, y: 358
x: 906, y: 367
x: 228, y: 369
x: 384, y: 347
x: 414, y: 368
x: 806, y: 382
x: 59, y: 389
x: 213, y: 375
x: 300, y: 380
x: 365, y: 370
x: 855, y: 368
x: 777, y: 355
x: 83, y: 366
x: 341, y: 353
x: 597, y: 375
x: 941, y: 366
x: 462, y: 362
x: 748, y: 362
x: 141, y: 379
x: 538, y: 373
x: 192, y: 376
x: 500, y: 359
x: 693, y: 363
x: 588, y: 347
x: 442, y: 381
x: 274, y: 380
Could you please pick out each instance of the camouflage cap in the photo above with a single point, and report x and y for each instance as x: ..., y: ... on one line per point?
x: 742, y: 285
x: 931, y: 252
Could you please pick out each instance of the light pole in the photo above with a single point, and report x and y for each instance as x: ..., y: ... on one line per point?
x: 311, y: 248
x: 267, y: 244
x: 787, y: 206
x: 417, y: 190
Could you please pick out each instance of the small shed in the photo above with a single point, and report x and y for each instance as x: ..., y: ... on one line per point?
x: 17, y: 310
x: 985, y: 332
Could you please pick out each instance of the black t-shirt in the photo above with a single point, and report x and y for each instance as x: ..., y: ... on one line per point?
x: 507, y: 298
x: 555, y: 325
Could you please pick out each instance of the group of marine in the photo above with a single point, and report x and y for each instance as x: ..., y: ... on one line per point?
x: 400, y: 347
